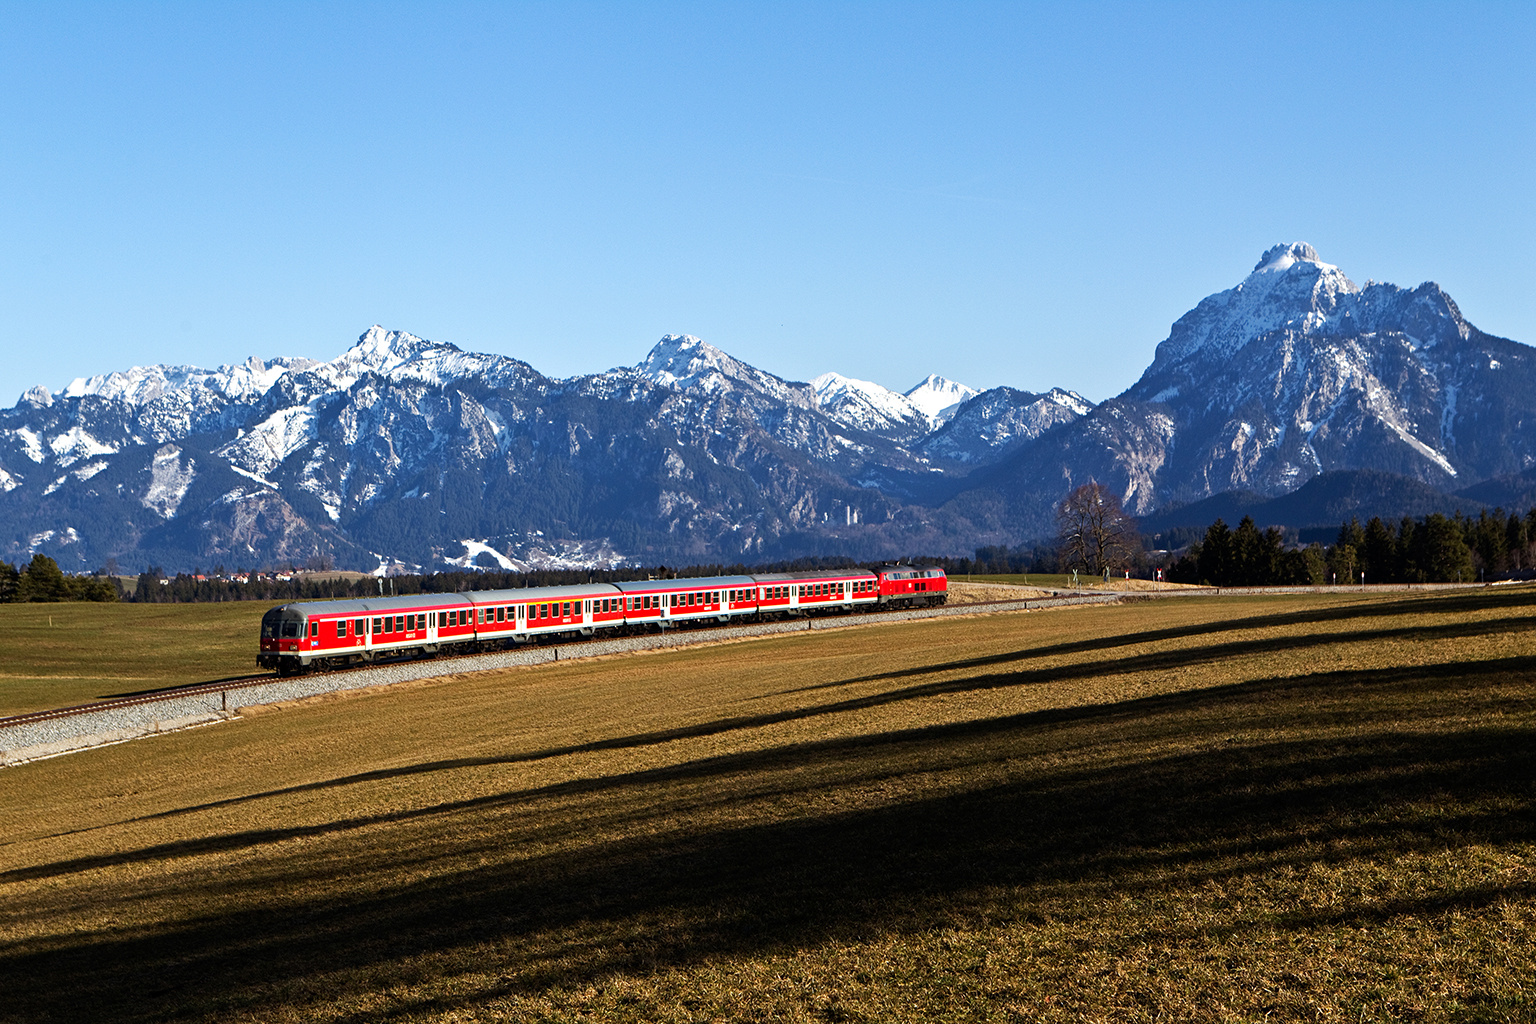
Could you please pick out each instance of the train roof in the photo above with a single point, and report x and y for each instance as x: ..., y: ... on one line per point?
x: 373, y: 605
x: 679, y: 586
x: 522, y: 595
x: 852, y: 572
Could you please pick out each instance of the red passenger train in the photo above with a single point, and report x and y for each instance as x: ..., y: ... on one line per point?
x: 333, y: 634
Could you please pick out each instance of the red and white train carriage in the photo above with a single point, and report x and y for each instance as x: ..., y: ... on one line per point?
x: 335, y: 633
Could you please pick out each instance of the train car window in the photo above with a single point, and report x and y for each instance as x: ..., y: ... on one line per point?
x: 399, y: 623
x: 341, y: 629
x: 358, y: 625
x: 378, y: 626
x: 501, y: 614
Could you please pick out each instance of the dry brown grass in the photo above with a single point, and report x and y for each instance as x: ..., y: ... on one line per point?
x: 1299, y: 808
x: 60, y: 655
x: 961, y: 592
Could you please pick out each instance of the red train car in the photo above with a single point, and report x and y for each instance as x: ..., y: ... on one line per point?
x: 910, y: 586
x: 660, y: 603
x: 332, y: 634
x: 800, y: 593
x: 337, y: 633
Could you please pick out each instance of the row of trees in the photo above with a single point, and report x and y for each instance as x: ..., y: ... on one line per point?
x: 1435, y: 549
x: 43, y: 580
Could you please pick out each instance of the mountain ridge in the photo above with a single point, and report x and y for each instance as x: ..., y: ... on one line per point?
x: 408, y: 451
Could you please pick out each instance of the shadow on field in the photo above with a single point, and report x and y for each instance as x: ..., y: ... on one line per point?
x: 1156, y: 661
x: 1047, y: 800
x: 1459, y: 604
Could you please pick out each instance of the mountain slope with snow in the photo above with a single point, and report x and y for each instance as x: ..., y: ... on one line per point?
x: 405, y: 450
x: 1294, y: 372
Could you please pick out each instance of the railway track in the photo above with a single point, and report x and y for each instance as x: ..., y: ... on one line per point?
x: 37, y: 734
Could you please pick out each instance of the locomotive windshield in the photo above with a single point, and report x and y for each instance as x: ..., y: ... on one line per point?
x: 278, y: 622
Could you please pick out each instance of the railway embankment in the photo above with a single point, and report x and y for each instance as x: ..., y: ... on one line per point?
x: 66, y: 730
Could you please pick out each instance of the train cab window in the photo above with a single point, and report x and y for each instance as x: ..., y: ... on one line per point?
x: 341, y: 629
x: 314, y: 629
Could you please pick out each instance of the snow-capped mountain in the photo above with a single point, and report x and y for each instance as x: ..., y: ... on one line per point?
x: 864, y: 405
x: 938, y: 399
x: 1000, y: 420
x: 417, y: 450
x: 404, y: 449
x: 1293, y: 372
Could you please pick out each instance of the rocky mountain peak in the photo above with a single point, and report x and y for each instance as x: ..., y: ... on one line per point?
x: 680, y: 359
x: 1290, y: 288
x: 1280, y: 258
x: 382, y: 350
x: 937, y: 398
x: 687, y: 363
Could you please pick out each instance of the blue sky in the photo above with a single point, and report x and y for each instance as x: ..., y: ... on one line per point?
x: 1010, y: 194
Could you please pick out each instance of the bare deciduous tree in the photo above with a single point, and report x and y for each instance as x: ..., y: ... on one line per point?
x: 1095, y: 532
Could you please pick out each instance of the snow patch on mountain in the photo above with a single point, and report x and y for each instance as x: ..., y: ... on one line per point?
x: 473, y: 549
x: 264, y: 447
x: 82, y: 474
x: 75, y: 444
x: 169, y: 479
x: 31, y: 443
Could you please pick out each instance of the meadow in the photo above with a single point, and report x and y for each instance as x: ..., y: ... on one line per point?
x: 69, y: 653
x: 1313, y: 807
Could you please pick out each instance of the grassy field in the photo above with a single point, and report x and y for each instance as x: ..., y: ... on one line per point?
x: 60, y: 655
x: 1223, y: 809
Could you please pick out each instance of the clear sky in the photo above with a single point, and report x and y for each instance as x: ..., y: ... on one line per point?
x: 1021, y: 194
